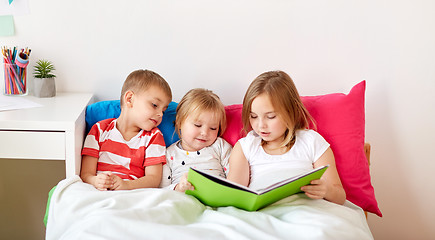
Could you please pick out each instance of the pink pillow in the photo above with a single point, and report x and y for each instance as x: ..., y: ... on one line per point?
x: 340, y: 119
x: 234, y: 130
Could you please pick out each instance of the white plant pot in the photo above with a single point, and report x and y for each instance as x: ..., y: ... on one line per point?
x: 44, y: 87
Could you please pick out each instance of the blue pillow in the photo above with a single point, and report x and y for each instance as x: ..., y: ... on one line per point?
x: 112, y: 109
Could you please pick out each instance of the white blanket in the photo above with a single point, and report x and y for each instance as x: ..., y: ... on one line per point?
x: 79, y: 211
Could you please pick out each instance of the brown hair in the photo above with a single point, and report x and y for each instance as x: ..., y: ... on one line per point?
x: 285, y: 99
x: 196, y: 101
x: 141, y: 80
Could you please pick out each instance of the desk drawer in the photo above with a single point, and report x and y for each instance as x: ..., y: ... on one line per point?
x: 32, y: 145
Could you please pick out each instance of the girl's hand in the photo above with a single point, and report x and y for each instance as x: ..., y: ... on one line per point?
x: 119, y: 183
x: 103, y: 181
x: 316, y: 190
x: 184, y: 185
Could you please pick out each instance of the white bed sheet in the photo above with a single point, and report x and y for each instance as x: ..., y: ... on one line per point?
x: 79, y: 211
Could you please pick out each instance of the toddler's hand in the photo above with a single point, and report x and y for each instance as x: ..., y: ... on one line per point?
x: 119, y: 183
x: 103, y: 181
x: 316, y: 190
x: 184, y: 185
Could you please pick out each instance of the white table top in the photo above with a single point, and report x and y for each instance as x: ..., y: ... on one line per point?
x: 58, y: 113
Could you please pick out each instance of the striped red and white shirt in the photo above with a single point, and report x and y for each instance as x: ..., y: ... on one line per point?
x: 127, y: 159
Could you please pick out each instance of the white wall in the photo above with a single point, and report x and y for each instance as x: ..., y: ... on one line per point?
x: 326, y: 46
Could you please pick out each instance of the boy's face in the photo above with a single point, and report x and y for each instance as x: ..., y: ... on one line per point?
x: 147, y: 108
x: 198, y: 133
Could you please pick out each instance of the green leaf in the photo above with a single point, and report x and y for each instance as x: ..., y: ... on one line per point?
x: 43, y: 69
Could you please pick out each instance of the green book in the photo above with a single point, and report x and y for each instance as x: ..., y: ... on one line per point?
x: 216, y: 191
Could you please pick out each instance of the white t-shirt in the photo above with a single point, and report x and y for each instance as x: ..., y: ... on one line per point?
x: 212, y: 159
x: 266, y: 169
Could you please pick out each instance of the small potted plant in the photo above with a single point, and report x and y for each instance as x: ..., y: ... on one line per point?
x: 43, y: 82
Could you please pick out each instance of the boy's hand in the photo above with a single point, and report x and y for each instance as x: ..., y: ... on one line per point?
x: 103, y: 181
x: 119, y: 183
x: 184, y: 185
x: 316, y: 190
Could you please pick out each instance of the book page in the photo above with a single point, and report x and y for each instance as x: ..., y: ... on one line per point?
x: 225, y: 182
x: 286, y: 181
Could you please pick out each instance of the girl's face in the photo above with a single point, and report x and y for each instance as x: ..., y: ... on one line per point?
x: 266, y: 122
x: 198, y: 133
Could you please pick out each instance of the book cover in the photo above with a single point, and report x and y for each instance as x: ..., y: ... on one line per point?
x: 216, y: 191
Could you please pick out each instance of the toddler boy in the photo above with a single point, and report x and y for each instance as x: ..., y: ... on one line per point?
x: 128, y: 152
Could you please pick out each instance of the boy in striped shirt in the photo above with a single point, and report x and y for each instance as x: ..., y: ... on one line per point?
x: 128, y: 152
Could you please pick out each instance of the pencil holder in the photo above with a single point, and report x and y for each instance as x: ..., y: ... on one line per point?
x: 15, y: 79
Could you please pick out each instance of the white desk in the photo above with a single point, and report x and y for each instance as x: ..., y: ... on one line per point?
x: 54, y: 131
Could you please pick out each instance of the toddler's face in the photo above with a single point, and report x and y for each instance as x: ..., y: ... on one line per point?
x: 148, y: 108
x: 265, y: 121
x: 198, y: 133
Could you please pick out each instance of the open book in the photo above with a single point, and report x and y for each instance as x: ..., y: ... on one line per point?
x: 216, y: 191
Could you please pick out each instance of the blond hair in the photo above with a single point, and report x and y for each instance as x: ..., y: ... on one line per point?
x: 140, y: 80
x: 195, y: 102
x: 285, y: 99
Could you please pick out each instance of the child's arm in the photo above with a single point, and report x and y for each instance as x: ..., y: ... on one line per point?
x: 166, y: 175
x: 329, y: 186
x: 101, y: 181
x: 239, y: 166
x: 225, y: 155
x: 152, y: 178
x: 184, y: 185
x: 167, y: 179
